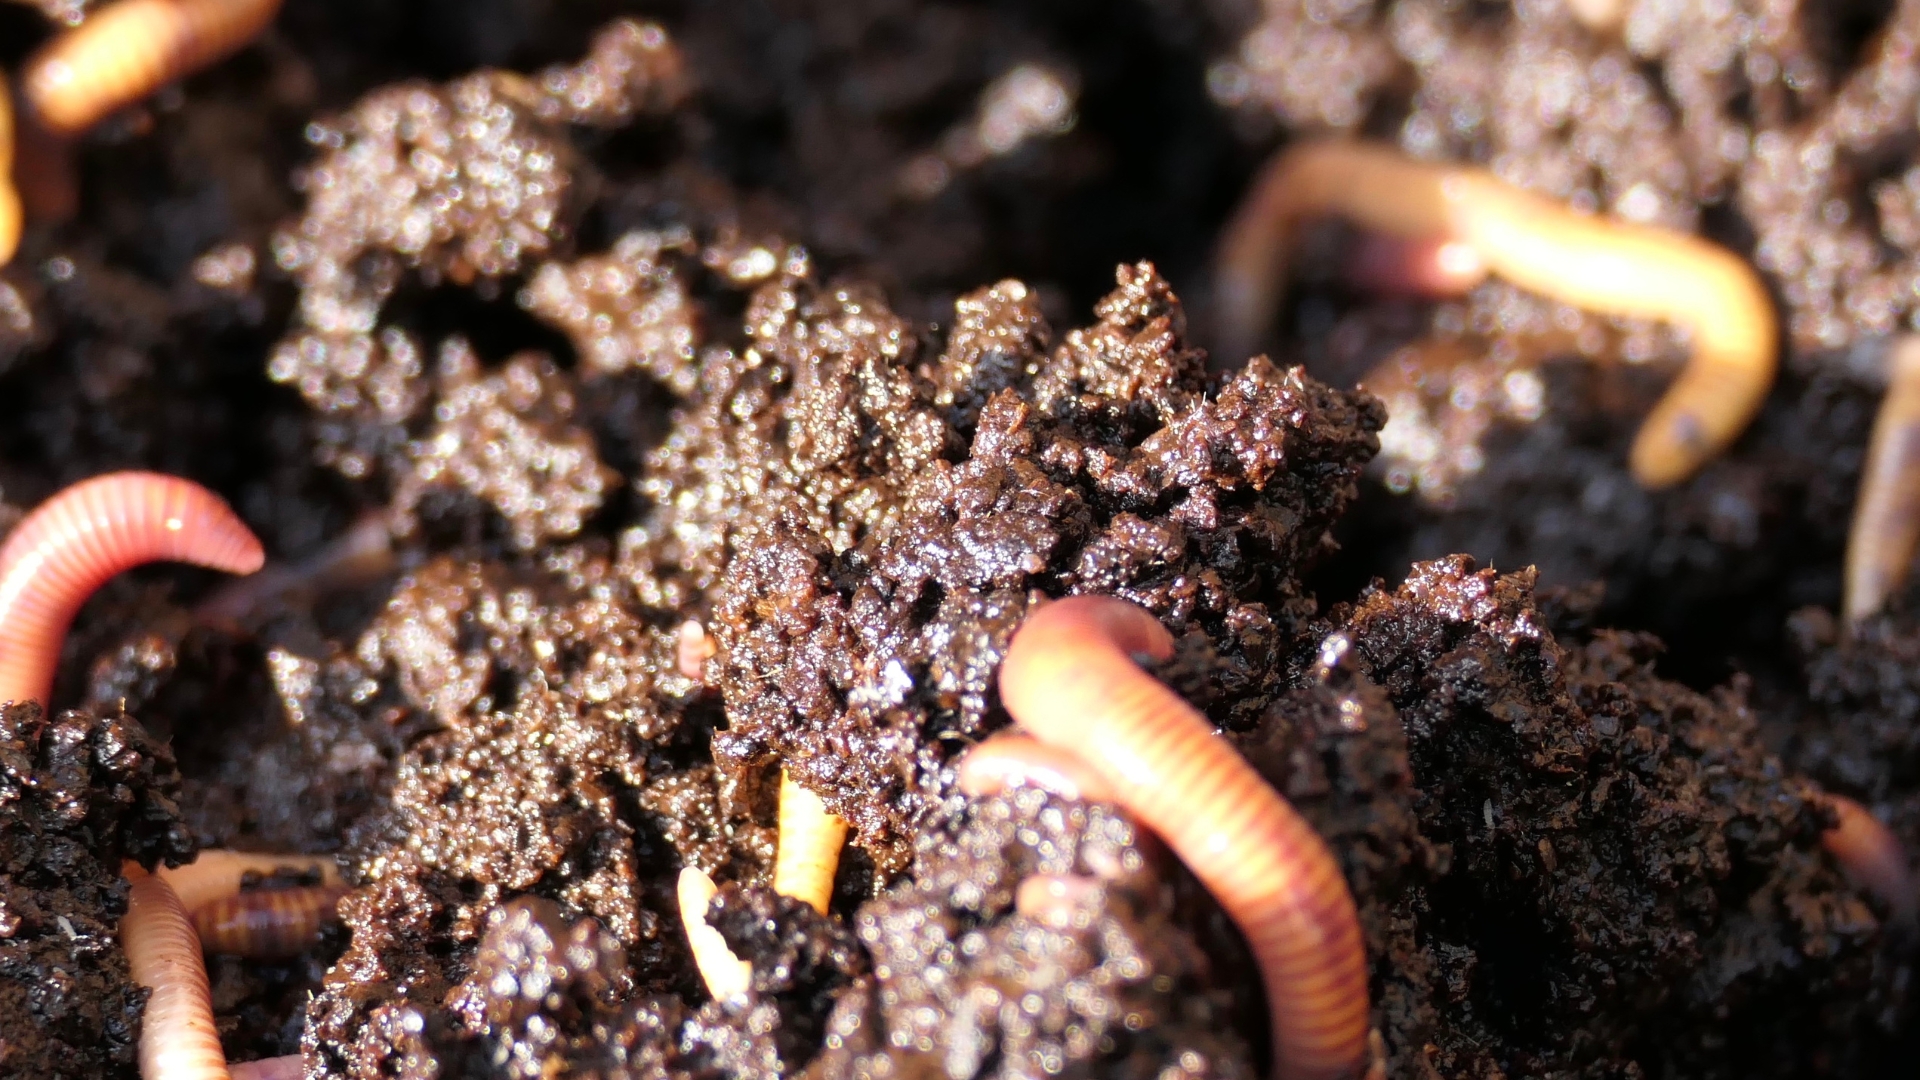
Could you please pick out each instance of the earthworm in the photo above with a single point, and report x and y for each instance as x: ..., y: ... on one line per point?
x: 178, y: 1040
x: 215, y: 874
x: 1599, y: 16
x: 1537, y: 244
x: 1886, y: 516
x: 810, y: 841
x: 1433, y: 267
x: 1071, y: 679
x: 9, y: 198
x: 131, y: 49
x: 1011, y: 760
x: 692, y: 648
x: 1872, y: 856
x: 1054, y: 900
x: 72, y: 543
x: 274, y: 1068
x: 726, y: 975
x: 267, y: 924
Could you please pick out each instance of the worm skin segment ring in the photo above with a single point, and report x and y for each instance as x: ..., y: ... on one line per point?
x: 267, y: 924
x: 726, y: 975
x: 178, y: 1040
x: 216, y: 874
x: 131, y: 49
x: 72, y: 543
x: 1071, y: 681
x: 1872, y: 857
x: 1537, y: 244
x: 1886, y: 516
x: 1010, y: 760
x: 810, y: 841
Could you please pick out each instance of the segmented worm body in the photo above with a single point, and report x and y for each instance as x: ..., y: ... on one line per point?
x: 1539, y: 245
x: 267, y: 924
x: 1071, y: 680
x: 131, y: 49
x: 178, y: 1040
x: 726, y: 975
x: 1010, y: 760
x: 1886, y: 517
x: 1872, y: 857
x: 215, y: 874
x: 810, y: 841
x: 9, y: 196
x: 72, y: 543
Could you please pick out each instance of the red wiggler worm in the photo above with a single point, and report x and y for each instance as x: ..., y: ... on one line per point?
x: 1071, y: 680
x: 72, y: 543
x: 1011, y: 759
x: 267, y: 924
x: 215, y: 873
x: 1872, y: 856
x: 178, y: 1040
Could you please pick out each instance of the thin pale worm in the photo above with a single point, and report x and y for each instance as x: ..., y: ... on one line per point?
x: 72, y: 543
x: 1886, y: 516
x: 1873, y: 858
x: 810, y: 841
x: 276, y: 1068
x: 1600, y: 16
x: 1071, y: 680
x: 354, y: 558
x: 268, y: 924
x: 692, y: 648
x: 726, y: 975
x: 1010, y: 760
x: 1055, y: 900
x: 9, y: 197
x: 131, y: 49
x: 178, y: 1040
x: 1537, y: 244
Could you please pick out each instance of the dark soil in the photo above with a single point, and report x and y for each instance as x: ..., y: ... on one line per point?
x: 747, y: 319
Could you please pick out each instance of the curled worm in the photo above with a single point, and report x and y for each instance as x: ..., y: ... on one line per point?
x: 1886, y: 516
x: 131, y: 49
x: 1872, y: 857
x: 1539, y: 245
x: 726, y: 975
x: 267, y: 924
x: 178, y: 1040
x: 72, y: 543
x: 1070, y: 679
x: 216, y: 874
x: 1010, y: 760
x: 811, y: 837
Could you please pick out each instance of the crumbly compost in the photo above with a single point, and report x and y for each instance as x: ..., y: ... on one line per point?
x: 78, y: 794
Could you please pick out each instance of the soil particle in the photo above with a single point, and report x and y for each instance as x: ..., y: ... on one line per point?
x: 1634, y: 878
x: 77, y: 795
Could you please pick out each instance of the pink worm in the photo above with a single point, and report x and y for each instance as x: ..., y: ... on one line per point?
x: 75, y: 541
x: 277, y: 1068
x: 178, y: 1040
x: 1070, y: 678
x: 1011, y: 760
x: 1872, y: 856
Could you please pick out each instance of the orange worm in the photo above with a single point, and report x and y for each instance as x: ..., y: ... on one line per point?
x: 692, y: 648
x: 216, y: 874
x: 811, y: 837
x: 178, y: 1040
x: 72, y: 543
x: 1872, y: 856
x: 276, y: 1068
x: 726, y: 975
x: 268, y: 924
x: 9, y: 197
x: 1535, y: 243
x: 1011, y: 760
x: 131, y: 49
x: 1071, y: 678
x: 1886, y: 516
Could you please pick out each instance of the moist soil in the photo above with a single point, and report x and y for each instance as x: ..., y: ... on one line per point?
x: 637, y: 401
